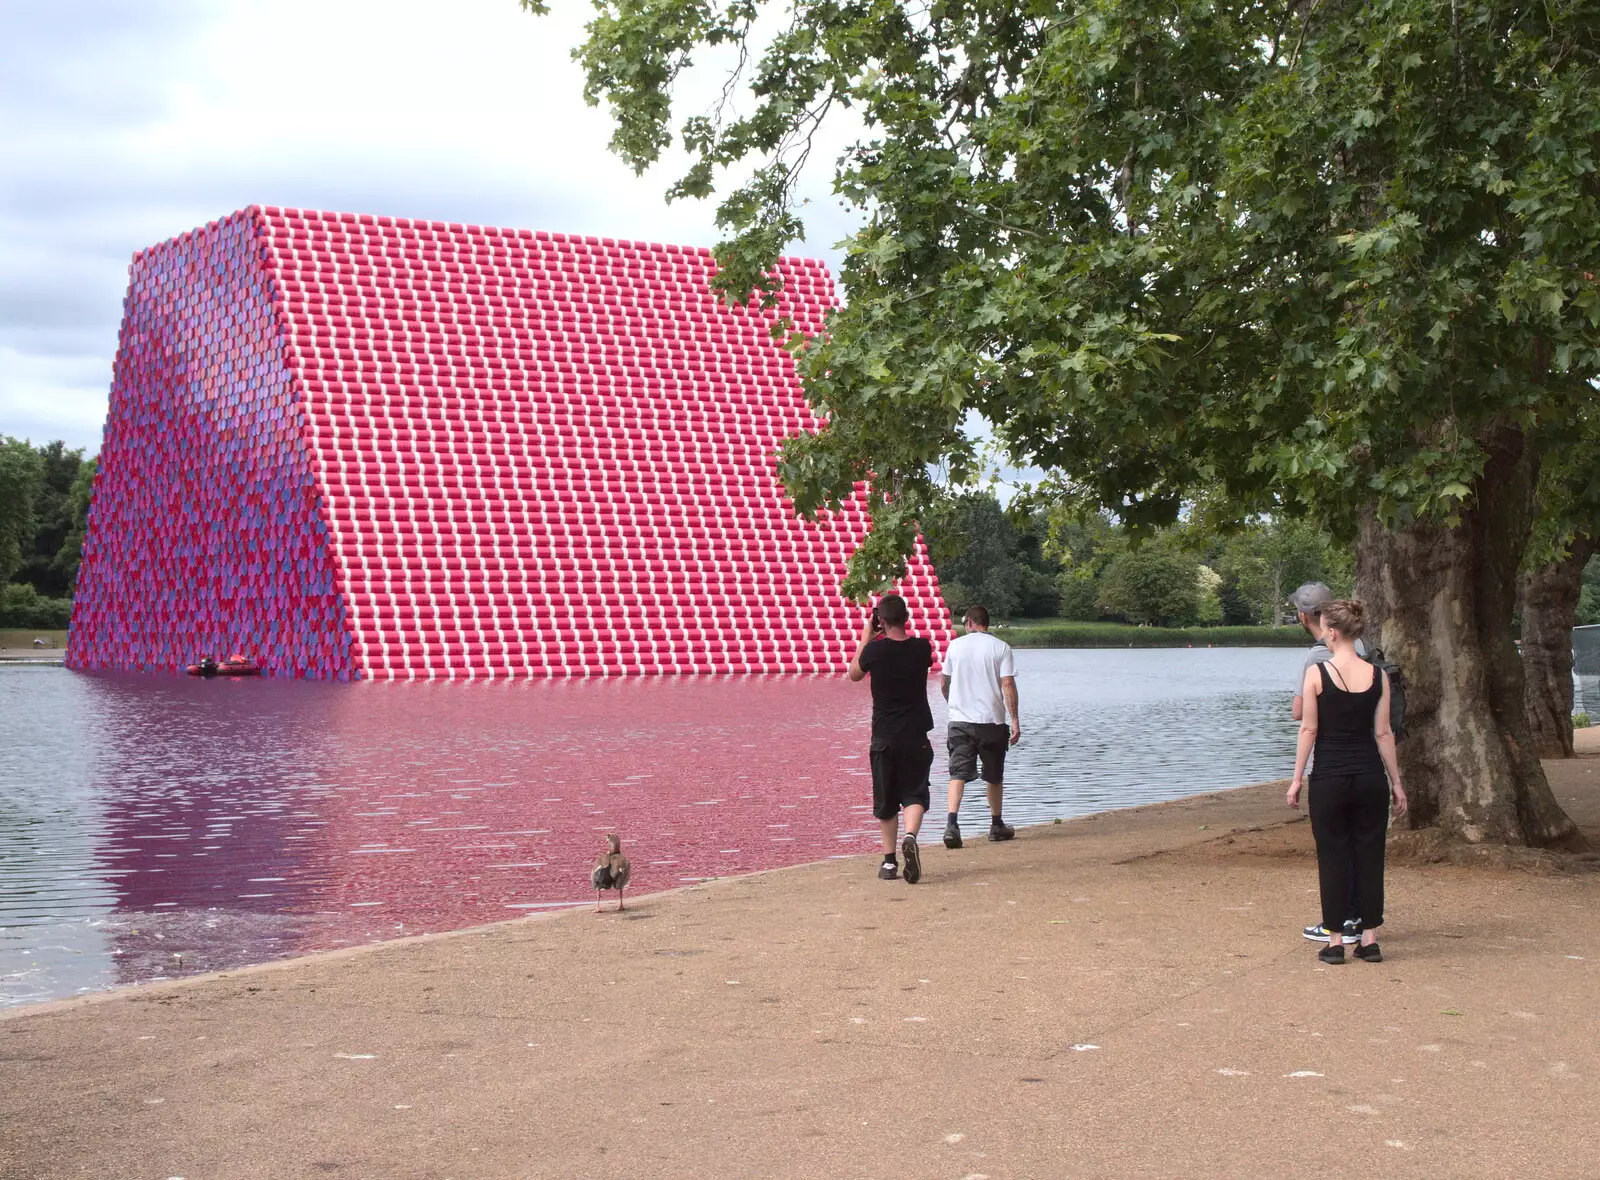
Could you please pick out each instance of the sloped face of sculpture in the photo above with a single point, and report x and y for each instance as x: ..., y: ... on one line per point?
x: 206, y: 537
x: 366, y: 447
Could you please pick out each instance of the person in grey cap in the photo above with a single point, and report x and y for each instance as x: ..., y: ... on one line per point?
x: 1308, y: 602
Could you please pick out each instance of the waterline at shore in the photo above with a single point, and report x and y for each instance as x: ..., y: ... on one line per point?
x: 168, y: 825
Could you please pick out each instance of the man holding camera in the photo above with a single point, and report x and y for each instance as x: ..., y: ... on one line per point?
x: 901, y: 754
x: 980, y: 682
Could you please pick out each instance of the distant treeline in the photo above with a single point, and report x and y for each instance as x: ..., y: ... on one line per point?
x: 1588, y: 612
x: 1037, y: 561
x: 44, y: 502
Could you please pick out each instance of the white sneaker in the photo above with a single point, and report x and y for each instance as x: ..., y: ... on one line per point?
x: 1351, y: 935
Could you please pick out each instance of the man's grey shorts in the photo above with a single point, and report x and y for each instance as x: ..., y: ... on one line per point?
x: 971, y: 743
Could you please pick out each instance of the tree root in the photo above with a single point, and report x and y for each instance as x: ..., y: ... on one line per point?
x: 1430, y: 846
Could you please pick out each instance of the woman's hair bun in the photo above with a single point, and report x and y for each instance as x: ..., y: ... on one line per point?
x: 1347, y: 616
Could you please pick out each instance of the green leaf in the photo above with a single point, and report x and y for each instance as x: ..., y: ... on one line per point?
x: 1164, y: 269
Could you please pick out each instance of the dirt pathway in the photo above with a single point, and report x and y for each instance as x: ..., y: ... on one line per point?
x: 1126, y: 995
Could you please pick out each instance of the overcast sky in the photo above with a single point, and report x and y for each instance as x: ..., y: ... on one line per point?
x: 125, y: 122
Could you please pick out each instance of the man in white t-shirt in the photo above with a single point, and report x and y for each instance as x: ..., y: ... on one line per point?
x: 980, y: 682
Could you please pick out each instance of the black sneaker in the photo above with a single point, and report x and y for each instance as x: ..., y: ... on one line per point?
x: 952, y: 835
x: 887, y: 871
x: 913, y: 859
x: 1000, y: 831
x: 1331, y: 954
x: 1369, y: 953
x: 1317, y: 933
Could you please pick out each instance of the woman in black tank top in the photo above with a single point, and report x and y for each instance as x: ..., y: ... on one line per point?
x: 1346, y: 732
x: 1354, y: 776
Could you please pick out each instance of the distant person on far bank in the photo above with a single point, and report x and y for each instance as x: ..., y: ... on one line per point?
x: 1346, y: 723
x: 901, y: 754
x: 1308, y: 603
x: 980, y: 682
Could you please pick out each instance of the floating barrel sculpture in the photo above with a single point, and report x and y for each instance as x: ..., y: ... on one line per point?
x: 354, y: 446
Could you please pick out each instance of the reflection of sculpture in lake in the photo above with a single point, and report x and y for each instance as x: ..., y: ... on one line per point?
x: 203, y: 817
x: 370, y: 447
x: 392, y: 809
x: 248, y: 821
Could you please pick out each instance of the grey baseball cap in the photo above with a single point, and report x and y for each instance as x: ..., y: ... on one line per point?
x: 1311, y: 598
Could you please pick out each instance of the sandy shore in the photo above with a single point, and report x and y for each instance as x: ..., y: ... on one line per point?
x: 1123, y: 995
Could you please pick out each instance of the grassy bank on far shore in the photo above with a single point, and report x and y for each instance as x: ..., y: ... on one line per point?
x: 1070, y: 633
x: 15, y: 637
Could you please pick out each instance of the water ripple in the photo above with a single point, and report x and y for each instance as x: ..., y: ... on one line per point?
x: 151, y: 827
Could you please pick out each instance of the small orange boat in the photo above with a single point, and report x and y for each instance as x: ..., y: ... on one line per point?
x: 234, y: 665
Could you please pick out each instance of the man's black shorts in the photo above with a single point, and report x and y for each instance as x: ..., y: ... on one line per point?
x: 900, y: 775
x: 969, y: 742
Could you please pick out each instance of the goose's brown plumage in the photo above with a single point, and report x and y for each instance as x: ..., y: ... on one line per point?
x: 611, y: 871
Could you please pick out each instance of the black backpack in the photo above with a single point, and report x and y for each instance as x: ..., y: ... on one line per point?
x: 1397, y: 691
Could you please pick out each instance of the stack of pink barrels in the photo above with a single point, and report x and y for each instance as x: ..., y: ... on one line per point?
x: 364, y: 447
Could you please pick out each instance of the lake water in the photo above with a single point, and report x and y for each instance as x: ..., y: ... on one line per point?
x: 151, y: 827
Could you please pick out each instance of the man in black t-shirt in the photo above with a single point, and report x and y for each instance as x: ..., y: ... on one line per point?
x: 901, y: 753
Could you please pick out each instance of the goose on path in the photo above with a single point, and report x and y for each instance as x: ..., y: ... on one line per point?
x: 610, y: 872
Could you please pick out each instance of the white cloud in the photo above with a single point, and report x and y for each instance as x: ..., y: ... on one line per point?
x: 53, y: 396
x: 123, y: 124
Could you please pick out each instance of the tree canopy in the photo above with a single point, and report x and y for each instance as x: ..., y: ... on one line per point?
x: 1262, y: 565
x: 983, y: 556
x: 1588, y: 611
x: 20, y: 470
x: 1304, y: 256
x: 1155, y: 583
x: 48, y: 563
x: 1326, y: 258
x: 44, y: 505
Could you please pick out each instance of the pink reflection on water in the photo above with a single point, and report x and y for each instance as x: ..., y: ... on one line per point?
x: 253, y: 820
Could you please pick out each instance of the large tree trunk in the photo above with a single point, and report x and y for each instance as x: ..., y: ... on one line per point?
x: 1441, y: 600
x: 1549, y: 600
